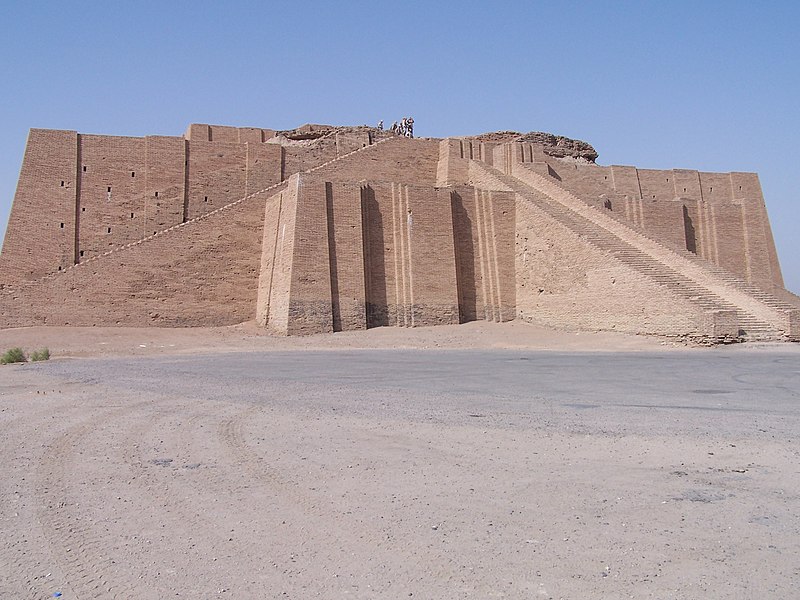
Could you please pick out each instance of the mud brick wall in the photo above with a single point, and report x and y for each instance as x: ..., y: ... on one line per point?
x: 303, y: 157
x: 484, y: 224
x: 562, y: 281
x: 40, y: 237
x: 204, y: 273
x: 452, y: 169
x: 310, y: 303
x: 98, y: 192
x: 221, y: 133
x: 364, y: 240
x: 312, y: 266
x: 763, y: 267
x: 409, y: 255
x: 342, y: 256
x: 685, y: 209
x: 402, y: 160
x: 346, y: 254
x: 277, y: 255
x: 433, y: 291
x: 220, y: 172
x: 217, y: 175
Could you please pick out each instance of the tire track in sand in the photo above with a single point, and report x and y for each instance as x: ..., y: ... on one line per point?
x: 85, y: 555
x: 321, y: 515
x: 190, y: 501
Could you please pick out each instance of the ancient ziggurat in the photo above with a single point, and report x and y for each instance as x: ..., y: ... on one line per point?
x: 325, y: 229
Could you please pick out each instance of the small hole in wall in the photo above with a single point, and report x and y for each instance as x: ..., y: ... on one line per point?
x: 711, y: 189
x: 81, y: 252
x: 740, y: 188
x: 83, y: 209
x: 156, y: 194
x: 205, y: 198
x: 108, y: 189
x: 62, y: 226
x: 108, y: 229
x: 684, y: 189
x: 59, y: 268
x: 605, y: 177
x: 133, y: 173
x: 131, y: 215
x: 84, y: 168
x: 667, y: 179
x: 62, y: 184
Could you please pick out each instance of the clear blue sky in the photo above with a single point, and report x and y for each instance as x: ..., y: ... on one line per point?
x: 702, y: 85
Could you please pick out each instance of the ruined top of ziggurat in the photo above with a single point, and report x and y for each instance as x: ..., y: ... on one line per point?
x: 325, y: 229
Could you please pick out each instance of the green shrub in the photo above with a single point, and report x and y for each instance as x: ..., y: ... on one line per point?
x: 14, y: 355
x: 43, y: 354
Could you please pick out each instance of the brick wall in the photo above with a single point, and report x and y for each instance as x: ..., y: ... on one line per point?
x: 217, y: 175
x: 669, y: 204
x: 366, y: 240
x: 346, y: 254
x: 484, y: 224
x: 40, y: 237
x: 342, y: 256
x: 204, y: 273
x: 403, y: 160
x: 117, y: 190
x: 275, y: 271
x: 563, y: 281
x: 409, y: 255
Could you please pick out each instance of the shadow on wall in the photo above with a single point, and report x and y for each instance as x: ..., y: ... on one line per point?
x: 688, y: 227
x: 334, y: 264
x: 465, y: 260
x: 374, y: 259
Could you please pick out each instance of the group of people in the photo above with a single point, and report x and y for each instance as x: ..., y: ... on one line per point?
x: 405, y: 127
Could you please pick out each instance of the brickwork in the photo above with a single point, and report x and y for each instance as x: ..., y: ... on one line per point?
x: 217, y: 173
x: 654, y: 200
x: 204, y: 273
x: 40, y: 237
x: 565, y: 281
x: 321, y: 229
x: 346, y: 252
x: 484, y: 223
x: 275, y: 272
x: 402, y: 160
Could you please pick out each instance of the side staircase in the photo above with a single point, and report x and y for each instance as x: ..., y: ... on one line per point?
x: 760, y: 315
x: 266, y: 192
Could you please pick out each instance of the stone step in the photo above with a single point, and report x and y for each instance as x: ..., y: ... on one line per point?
x: 670, y: 276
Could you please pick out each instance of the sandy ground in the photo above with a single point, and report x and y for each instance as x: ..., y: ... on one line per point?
x: 482, y: 461
x: 128, y: 341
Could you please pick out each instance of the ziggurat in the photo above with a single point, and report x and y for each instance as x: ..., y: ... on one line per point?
x: 325, y: 229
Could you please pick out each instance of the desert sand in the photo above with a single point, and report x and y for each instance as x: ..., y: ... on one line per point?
x: 478, y: 461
